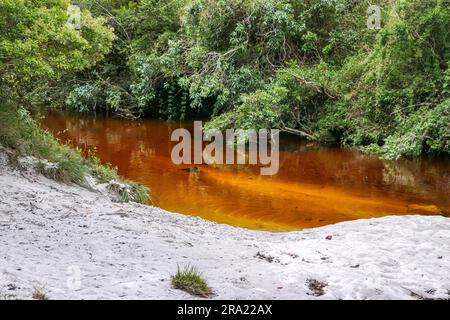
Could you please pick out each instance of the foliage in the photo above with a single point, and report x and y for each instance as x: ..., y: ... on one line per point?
x: 391, y: 98
x: 426, y: 130
x: 37, y: 44
x: 256, y: 110
x: 109, y: 86
x: 37, y: 49
x: 309, y: 67
x: 396, y: 93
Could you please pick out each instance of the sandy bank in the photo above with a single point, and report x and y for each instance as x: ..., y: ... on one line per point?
x: 50, y: 231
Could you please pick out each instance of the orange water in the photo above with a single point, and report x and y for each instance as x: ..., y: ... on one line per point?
x: 315, y: 186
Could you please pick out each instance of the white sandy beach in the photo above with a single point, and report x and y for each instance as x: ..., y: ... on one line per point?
x: 49, y: 231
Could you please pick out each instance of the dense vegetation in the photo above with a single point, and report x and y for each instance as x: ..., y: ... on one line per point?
x: 309, y: 67
x: 37, y: 49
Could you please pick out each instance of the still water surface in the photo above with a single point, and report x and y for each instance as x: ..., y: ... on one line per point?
x: 315, y: 186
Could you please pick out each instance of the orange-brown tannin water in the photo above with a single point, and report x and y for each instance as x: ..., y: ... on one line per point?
x: 315, y: 186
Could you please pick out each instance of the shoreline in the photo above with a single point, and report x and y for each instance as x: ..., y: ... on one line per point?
x: 50, y: 232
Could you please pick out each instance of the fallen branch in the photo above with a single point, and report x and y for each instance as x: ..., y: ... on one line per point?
x: 298, y: 133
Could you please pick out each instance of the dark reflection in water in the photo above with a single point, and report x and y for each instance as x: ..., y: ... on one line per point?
x: 315, y: 185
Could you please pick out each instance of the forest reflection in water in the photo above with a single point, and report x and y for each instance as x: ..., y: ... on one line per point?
x: 315, y: 185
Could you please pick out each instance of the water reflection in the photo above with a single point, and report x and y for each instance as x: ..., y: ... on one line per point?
x: 315, y: 185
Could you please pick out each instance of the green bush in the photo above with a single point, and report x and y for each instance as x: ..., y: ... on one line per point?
x: 425, y: 131
x: 387, y: 93
x: 307, y: 66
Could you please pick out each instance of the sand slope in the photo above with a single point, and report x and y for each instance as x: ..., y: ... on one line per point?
x: 51, y: 232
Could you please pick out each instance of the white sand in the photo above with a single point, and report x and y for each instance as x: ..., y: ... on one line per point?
x: 50, y: 231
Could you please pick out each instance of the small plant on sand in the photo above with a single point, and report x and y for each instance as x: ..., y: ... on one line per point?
x: 190, y: 280
x: 316, y: 287
x: 39, y: 294
x: 129, y: 191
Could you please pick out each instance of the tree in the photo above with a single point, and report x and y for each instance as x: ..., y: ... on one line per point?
x: 38, y: 45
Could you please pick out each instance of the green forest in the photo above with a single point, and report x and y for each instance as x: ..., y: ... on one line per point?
x: 309, y: 67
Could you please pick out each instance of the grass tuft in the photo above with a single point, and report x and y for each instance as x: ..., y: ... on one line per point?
x: 129, y: 191
x: 190, y: 280
x: 39, y: 294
